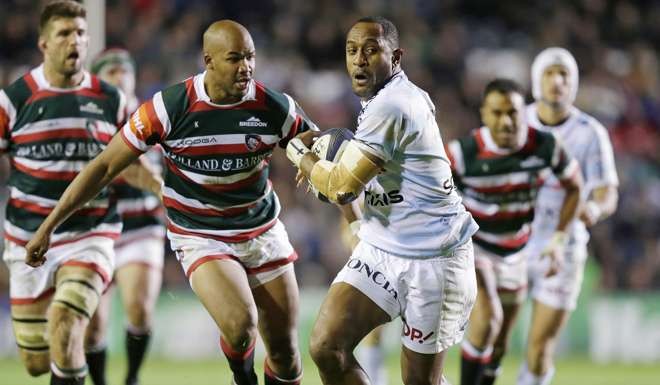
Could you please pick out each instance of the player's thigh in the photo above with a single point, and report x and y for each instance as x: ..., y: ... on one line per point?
x: 222, y: 287
x: 547, y: 322
x: 345, y: 317
x: 29, y: 322
x: 421, y: 369
x: 138, y: 284
x: 487, y: 309
x: 374, y: 337
x: 78, y: 290
x: 277, y: 306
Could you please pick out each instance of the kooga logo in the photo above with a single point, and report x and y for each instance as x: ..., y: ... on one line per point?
x: 253, y: 122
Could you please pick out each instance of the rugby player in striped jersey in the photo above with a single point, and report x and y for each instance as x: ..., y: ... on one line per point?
x: 218, y: 130
x: 139, y: 251
x: 498, y: 170
x: 554, y: 87
x: 53, y: 121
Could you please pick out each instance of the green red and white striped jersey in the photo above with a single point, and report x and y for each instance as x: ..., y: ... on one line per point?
x: 217, y: 156
x: 499, y: 187
x: 50, y: 134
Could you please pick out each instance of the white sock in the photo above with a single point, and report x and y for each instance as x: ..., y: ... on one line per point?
x: 372, y: 361
x: 525, y: 377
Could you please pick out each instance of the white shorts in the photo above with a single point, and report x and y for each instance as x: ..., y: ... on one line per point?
x: 144, y: 246
x: 433, y: 296
x: 264, y: 258
x: 29, y: 284
x: 510, y: 273
x: 560, y: 291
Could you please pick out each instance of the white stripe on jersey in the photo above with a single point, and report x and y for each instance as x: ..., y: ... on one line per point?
x: 212, y: 140
x: 122, y: 111
x: 133, y: 140
x: 23, y: 235
x: 194, y: 203
x: 457, y: 155
x: 209, y: 179
x: 45, y: 202
x: 51, y: 165
x: 290, y: 117
x: 495, y: 208
x: 503, y: 237
x: 137, y: 204
x: 50, y: 125
x: 161, y: 113
x: 518, y: 177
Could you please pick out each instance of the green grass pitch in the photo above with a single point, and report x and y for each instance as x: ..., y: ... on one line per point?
x: 570, y: 371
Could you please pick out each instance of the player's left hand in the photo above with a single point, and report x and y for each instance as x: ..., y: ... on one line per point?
x: 36, y: 248
x: 554, y: 250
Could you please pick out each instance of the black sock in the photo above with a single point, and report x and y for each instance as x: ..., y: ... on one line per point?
x: 241, y: 364
x: 96, y: 364
x: 56, y: 380
x: 136, y: 347
x: 471, y: 370
x: 490, y: 373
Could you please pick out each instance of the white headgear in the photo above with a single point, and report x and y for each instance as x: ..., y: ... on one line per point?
x: 554, y: 56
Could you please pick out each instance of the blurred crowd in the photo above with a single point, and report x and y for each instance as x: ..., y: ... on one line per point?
x: 451, y: 49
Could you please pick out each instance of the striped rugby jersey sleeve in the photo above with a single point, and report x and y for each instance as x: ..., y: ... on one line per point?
x: 7, y: 117
x: 564, y: 166
x: 296, y: 121
x: 148, y: 125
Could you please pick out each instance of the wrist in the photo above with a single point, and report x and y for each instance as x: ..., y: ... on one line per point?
x: 296, y: 150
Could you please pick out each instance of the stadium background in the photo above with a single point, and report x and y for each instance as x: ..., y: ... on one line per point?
x: 452, y: 48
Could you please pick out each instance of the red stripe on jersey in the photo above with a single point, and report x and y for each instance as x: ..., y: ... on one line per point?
x: 512, y: 243
x: 154, y: 123
x: 57, y: 175
x: 176, y: 205
x: 64, y: 133
x: 215, y: 187
x: 96, y: 84
x: 295, y: 127
x: 215, y: 149
x: 86, y: 92
x: 31, y: 83
x: 4, y: 124
x: 483, y: 152
x: 190, y: 92
x: 129, y: 144
x: 140, y: 213
x: 26, y: 301
x: 499, y: 214
x: 240, y: 237
x: 509, y: 187
x: 530, y: 144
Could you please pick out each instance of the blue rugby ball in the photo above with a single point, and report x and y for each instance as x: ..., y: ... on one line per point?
x: 330, y: 146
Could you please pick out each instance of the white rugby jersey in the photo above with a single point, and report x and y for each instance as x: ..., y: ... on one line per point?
x: 411, y: 208
x: 586, y: 140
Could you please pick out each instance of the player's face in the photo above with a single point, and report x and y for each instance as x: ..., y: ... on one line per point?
x: 119, y: 75
x: 504, y: 115
x: 369, y: 59
x: 556, y: 85
x: 232, y: 65
x: 64, y: 44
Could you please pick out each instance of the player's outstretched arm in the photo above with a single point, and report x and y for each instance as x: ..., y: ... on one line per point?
x: 343, y: 181
x: 600, y: 205
x: 91, y: 180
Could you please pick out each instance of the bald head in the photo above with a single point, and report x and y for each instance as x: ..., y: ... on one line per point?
x: 226, y: 35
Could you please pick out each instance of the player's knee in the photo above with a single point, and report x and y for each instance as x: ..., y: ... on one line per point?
x: 240, y: 332
x: 325, y: 352
x: 95, y: 334
x: 139, y: 315
x: 284, y: 354
x: 67, y: 329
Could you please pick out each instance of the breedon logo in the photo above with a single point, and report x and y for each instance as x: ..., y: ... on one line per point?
x: 253, y: 122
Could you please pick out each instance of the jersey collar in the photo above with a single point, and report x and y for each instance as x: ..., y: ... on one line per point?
x: 40, y: 78
x: 490, y: 145
x: 203, y: 96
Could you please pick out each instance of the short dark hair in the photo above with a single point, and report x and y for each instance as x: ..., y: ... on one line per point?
x: 503, y: 86
x: 60, y: 8
x: 390, y: 32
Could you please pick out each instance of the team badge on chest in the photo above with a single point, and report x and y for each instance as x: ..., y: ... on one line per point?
x: 252, y: 142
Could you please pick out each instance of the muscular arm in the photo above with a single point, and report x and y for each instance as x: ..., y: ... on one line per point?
x: 600, y: 205
x: 569, y: 207
x: 139, y: 174
x: 91, y: 180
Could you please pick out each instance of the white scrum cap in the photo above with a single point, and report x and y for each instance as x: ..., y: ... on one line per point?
x: 554, y: 56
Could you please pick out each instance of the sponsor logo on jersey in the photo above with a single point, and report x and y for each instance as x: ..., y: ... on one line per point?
x: 532, y: 161
x: 415, y: 334
x: 196, y: 141
x: 91, y: 108
x: 253, y: 122
x: 236, y: 164
x: 384, y: 199
x: 252, y: 141
x: 374, y: 275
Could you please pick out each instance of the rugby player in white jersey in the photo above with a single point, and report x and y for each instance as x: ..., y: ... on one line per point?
x: 53, y: 121
x: 139, y: 251
x: 414, y: 259
x: 554, y: 87
x: 218, y: 130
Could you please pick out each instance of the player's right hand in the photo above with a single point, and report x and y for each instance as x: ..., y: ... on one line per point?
x: 35, y: 250
x: 555, y: 252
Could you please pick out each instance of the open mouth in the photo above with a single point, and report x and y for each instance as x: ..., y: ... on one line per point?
x: 360, y: 78
x: 243, y: 83
x: 73, y: 56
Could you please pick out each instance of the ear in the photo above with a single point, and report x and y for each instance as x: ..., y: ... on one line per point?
x: 396, y: 57
x: 41, y: 43
x: 208, y: 61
